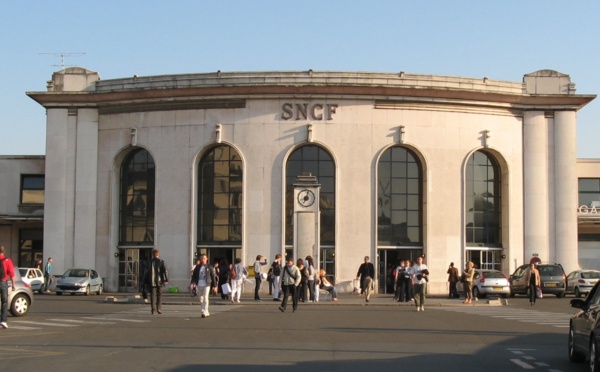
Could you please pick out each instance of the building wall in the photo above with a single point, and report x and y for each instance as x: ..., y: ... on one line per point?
x: 444, y: 121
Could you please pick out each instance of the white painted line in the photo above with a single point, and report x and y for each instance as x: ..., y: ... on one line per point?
x: 554, y: 370
x: 563, y: 326
x: 522, y: 364
x: 118, y: 319
x: 25, y: 328
x: 517, y: 352
x: 512, y: 348
x: 80, y: 321
x: 44, y: 324
x: 528, y: 357
x: 540, y: 364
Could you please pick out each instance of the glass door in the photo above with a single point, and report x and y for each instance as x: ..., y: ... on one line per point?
x: 132, y: 264
x: 485, y: 259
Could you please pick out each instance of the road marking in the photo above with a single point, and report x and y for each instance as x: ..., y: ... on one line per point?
x: 118, y: 319
x: 540, y: 364
x: 44, y: 323
x: 522, y: 364
x: 79, y: 321
x: 23, y: 328
x: 557, y: 320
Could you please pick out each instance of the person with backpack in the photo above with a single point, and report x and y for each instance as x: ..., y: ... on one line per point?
x: 290, y: 279
x: 276, y: 272
x: 7, y: 272
x: 237, y: 274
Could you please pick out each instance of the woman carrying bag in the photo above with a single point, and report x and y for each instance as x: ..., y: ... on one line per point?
x: 532, y: 278
x: 468, y: 275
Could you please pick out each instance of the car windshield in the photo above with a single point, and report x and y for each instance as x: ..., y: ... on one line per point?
x: 590, y: 275
x: 494, y: 274
x: 76, y: 273
x: 550, y: 271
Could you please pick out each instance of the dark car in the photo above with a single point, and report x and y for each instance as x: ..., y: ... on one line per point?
x: 552, y: 277
x: 584, y: 328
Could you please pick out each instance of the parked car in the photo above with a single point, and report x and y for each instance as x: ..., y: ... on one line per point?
x: 76, y: 281
x: 584, y: 330
x: 582, y: 281
x: 19, y: 300
x: 488, y: 282
x: 33, y: 277
x: 552, y: 277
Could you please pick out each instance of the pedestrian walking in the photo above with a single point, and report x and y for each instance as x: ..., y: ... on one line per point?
x: 48, y: 275
x: 310, y: 266
x: 7, y: 272
x: 467, y: 279
x: 532, y: 278
x: 237, y: 276
x: 156, y: 276
x: 276, y: 273
x: 452, y: 280
x: 206, y: 281
x: 420, y: 274
x: 366, y: 273
x: 260, y: 261
x: 303, y: 286
x: 290, y: 279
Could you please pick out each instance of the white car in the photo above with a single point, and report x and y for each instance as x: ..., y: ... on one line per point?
x: 581, y: 281
x: 33, y: 277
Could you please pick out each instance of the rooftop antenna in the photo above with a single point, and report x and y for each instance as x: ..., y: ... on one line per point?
x: 62, y: 56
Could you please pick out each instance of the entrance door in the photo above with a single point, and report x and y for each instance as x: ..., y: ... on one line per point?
x: 132, y: 263
x: 485, y: 259
x: 387, y: 261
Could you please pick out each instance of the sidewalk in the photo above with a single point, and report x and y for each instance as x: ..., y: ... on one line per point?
x: 343, y: 299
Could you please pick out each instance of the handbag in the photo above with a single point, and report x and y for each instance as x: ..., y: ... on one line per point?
x: 226, y: 288
x: 538, y: 293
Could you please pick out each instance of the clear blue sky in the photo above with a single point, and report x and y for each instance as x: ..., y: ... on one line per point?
x: 501, y: 40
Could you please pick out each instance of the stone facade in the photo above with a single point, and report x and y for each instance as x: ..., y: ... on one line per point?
x: 527, y: 127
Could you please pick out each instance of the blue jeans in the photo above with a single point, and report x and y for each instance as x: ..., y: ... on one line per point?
x: 4, y: 298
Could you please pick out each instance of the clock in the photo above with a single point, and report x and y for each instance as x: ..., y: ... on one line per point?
x: 306, y: 198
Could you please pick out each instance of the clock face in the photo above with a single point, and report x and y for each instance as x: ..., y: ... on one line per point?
x: 306, y: 198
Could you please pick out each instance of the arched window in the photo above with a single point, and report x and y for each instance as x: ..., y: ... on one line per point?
x: 317, y: 161
x: 136, y: 206
x: 482, y: 201
x: 399, y: 199
x: 220, y: 177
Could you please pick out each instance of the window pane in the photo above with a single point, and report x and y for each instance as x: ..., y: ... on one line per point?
x: 220, y: 197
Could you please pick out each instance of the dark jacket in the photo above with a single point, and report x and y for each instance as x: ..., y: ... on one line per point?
x: 156, y: 273
x: 366, y: 269
x: 211, y: 278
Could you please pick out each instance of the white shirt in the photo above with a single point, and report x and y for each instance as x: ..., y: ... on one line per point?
x: 417, y: 269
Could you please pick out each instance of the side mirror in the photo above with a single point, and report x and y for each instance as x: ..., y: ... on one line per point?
x: 577, y: 303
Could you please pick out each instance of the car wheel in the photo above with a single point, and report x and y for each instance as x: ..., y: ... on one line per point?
x: 20, y: 305
x: 72, y: 294
x: 594, y: 363
x: 59, y: 293
x: 560, y: 295
x: 87, y: 290
x: 99, y: 290
x: 574, y: 356
x: 504, y: 296
x: 577, y: 292
x: 512, y: 294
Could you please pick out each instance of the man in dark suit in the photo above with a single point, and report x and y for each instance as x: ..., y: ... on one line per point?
x: 156, y: 276
x: 366, y: 274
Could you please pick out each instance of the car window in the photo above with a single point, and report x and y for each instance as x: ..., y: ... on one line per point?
x: 594, y: 297
x: 550, y: 271
x: 94, y: 274
x: 494, y: 274
x: 590, y: 275
x: 23, y: 272
x: 572, y: 275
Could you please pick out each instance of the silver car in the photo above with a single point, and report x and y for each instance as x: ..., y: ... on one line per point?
x: 581, y: 281
x: 19, y: 300
x: 83, y: 281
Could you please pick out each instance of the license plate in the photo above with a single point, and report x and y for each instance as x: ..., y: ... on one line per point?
x: 550, y: 284
x: 497, y: 288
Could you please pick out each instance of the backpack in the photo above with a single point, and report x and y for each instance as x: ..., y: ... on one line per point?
x: 276, y: 269
x: 2, y: 271
x: 232, y: 273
